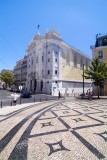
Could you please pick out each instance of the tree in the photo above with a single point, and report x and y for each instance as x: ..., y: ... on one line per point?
x: 7, y: 77
x: 97, y: 71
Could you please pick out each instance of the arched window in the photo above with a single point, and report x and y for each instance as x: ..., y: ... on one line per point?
x: 75, y: 60
x: 68, y: 58
x: 86, y: 63
x: 81, y: 62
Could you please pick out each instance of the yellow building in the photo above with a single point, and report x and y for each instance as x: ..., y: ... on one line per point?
x: 100, y: 51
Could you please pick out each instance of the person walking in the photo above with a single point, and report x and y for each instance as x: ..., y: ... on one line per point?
x: 14, y: 99
x: 89, y: 95
x: 59, y: 95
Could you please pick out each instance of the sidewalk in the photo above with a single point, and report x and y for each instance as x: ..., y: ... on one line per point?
x: 8, y: 109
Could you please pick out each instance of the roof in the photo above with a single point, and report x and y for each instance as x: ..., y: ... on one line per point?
x: 101, y: 35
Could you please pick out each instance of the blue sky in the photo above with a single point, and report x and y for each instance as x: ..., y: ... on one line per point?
x: 79, y: 21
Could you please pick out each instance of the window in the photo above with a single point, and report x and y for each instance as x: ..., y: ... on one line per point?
x: 32, y: 62
x: 42, y: 71
x: 100, y: 54
x: 68, y: 58
x: 55, y: 71
x: 48, y: 59
x: 48, y: 71
x: 42, y: 58
x: 81, y: 62
x: 49, y: 52
x: 86, y: 63
x: 55, y: 59
x: 105, y: 41
x: 56, y: 52
x: 75, y: 60
x: 36, y: 59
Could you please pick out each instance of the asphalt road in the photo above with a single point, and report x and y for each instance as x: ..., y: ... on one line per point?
x: 6, y: 98
x: 5, y: 95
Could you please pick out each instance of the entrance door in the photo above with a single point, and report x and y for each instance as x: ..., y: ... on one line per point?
x: 35, y: 85
x: 31, y: 85
x: 41, y: 85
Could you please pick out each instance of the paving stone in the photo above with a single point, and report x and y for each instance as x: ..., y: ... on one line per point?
x: 57, y: 130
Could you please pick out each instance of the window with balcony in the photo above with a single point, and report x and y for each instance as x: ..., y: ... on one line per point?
x: 48, y: 59
x: 42, y: 58
x: 56, y: 72
x: 32, y: 62
x: 55, y: 59
x: 100, y: 54
x: 105, y: 42
x: 48, y: 71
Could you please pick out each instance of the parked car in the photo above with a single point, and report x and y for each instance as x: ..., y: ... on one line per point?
x: 26, y: 95
x: 83, y: 95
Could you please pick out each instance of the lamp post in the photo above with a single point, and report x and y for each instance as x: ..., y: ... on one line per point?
x: 83, y: 79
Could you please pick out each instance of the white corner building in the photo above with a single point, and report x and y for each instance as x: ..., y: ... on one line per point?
x: 53, y: 66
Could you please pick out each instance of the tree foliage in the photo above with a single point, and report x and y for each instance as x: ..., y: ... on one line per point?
x: 97, y: 71
x: 7, y: 77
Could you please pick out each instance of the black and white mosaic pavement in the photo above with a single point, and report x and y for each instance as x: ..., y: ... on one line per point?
x: 74, y: 130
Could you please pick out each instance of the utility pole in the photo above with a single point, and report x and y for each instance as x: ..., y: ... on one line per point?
x: 83, y: 79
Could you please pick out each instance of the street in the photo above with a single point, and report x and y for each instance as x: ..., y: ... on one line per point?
x: 5, y: 95
x: 6, y: 98
x: 55, y: 130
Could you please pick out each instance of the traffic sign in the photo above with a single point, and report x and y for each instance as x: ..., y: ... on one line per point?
x: 20, y: 87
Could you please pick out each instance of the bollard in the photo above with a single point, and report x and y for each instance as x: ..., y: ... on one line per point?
x: 1, y: 104
x: 20, y: 100
x: 11, y: 103
x: 34, y: 100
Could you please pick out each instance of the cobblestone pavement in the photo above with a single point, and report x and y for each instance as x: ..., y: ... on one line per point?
x: 59, y: 130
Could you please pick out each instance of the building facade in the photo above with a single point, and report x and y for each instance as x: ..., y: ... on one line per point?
x: 99, y: 50
x: 53, y: 65
x: 20, y: 73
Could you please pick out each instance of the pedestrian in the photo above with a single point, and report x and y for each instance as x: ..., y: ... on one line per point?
x: 72, y: 90
x: 14, y: 99
x: 89, y: 95
x: 59, y: 95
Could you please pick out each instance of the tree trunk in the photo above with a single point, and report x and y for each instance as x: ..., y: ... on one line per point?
x: 98, y: 91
